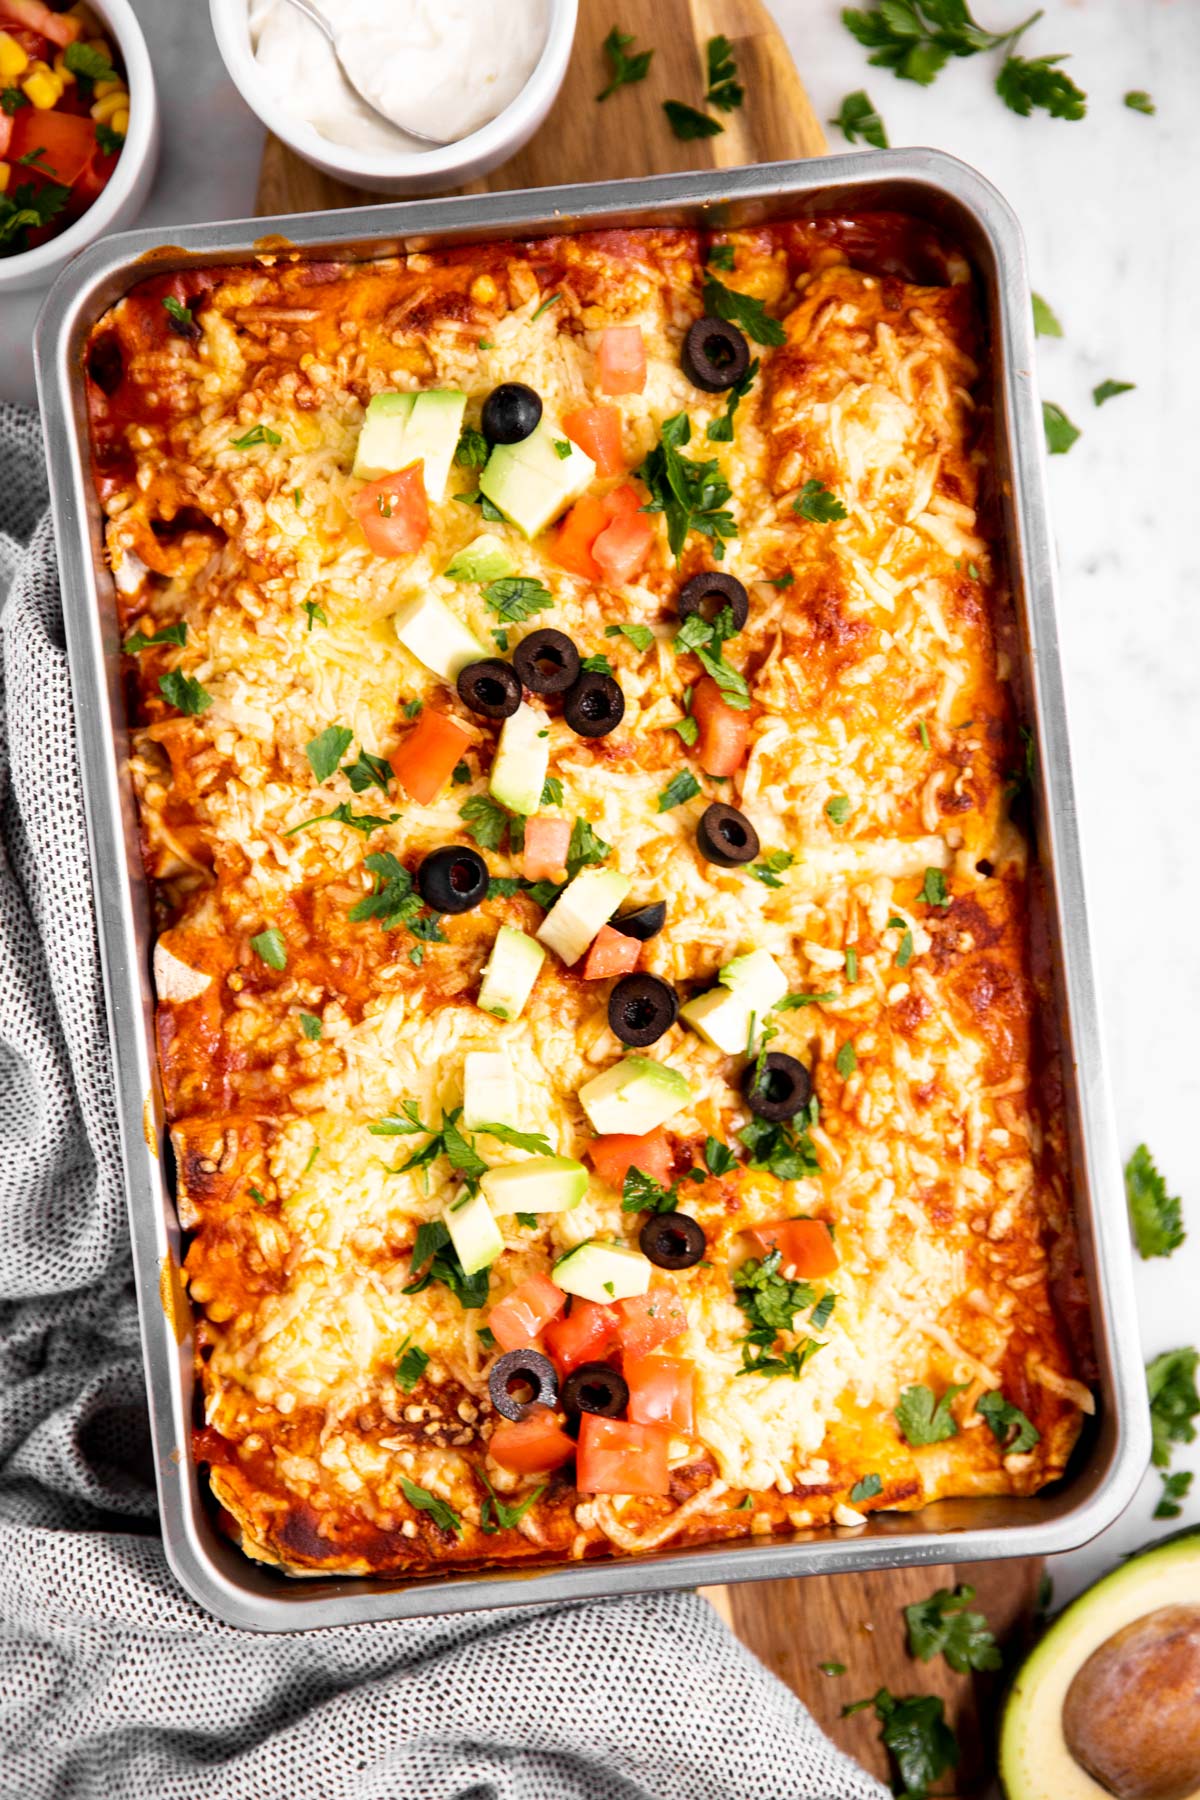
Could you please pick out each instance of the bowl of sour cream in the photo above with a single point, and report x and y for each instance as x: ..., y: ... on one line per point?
x: 479, y: 75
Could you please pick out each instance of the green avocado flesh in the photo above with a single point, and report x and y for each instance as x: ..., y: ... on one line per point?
x: 1035, y: 1762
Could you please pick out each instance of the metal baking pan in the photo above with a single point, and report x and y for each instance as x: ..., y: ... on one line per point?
x: 1112, y: 1454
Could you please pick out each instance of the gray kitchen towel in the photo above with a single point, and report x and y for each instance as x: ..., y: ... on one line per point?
x: 113, y: 1684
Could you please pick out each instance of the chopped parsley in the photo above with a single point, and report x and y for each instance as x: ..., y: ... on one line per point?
x: 552, y: 791
x: 792, y: 1002
x: 488, y: 822
x: 585, y: 848
x: 110, y: 141
x: 185, y: 692
x: 707, y: 642
x: 623, y: 70
x: 722, y: 256
x: 688, y: 124
x: 640, y: 636
x: 944, y: 1624
x: 1026, y: 82
x: 772, y: 866
x: 786, y: 580
x: 723, y: 89
x: 460, y: 774
x: 785, y: 1149
x: 1156, y: 1216
x: 315, y: 612
x: 923, y: 1418
x: 369, y: 771
x: 720, y: 429
x: 1176, y: 1488
x: 597, y: 665
x: 718, y: 1157
x: 443, y: 1516
x: 1138, y: 100
x: 413, y: 708
x: 935, y: 892
x: 681, y: 787
x: 474, y: 497
x: 917, y: 1737
x: 770, y: 1302
x: 270, y: 947
x: 12, y: 100
x: 257, y: 1195
x: 904, y: 953
x: 916, y: 38
x: 507, y: 1517
x: 393, y: 902
x: 547, y: 303
x: 343, y: 814
x: 857, y: 119
x: 1174, y: 1402
x: 411, y: 1364
x: 851, y: 964
x: 869, y: 1488
x: 310, y: 1025
x: 846, y: 1060
x: 838, y: 809
x: 92, y: 64
x: 257, y: 434
x: 517, y: 597
x: 641, y: 1193
x: 691, y: 495
x: 1045, y: 324
x: 742, y: 310
x: 816, y: 503
x: 472, y: 449
x: 534, y: 1141
x: 1011, y: 1429
x: 1060, y: 433
x: 180, y: 317
x: 562, y: 448
x: 1108, y: 390
x: 326, y: 750
x: 170, y: 634
x: 832, y: 1668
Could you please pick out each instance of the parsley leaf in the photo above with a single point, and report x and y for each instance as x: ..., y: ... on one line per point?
x: 791, y: 1002
x: 623, y: 70
x: 681, y: 787
x: 787, y: 1149
x: 742, y: 310
x: 1060, y: 433
x: 768, y: 1299
x: 817, y: 503
x: 718, y: 1157
x: 310, y: 1025
x: 1175, y: 1488
x: 507, y: 1517
x: 858, y: 119
x: 170, y: 634
x: 393, y: 902
x: 1011, y: 1429
x: 724, y: 90
x: 838, y: 809
x: 688, y: 124
x: 343, y: 814
x: 935, y: 892
x: 691, y: 495
x: 435, y: 1255
x: 517, y: 597
x: 411, y: 1364
x: 257, y: 434
x: 597, y: 665
x: 1137, y: 100
x: 722, y: 256
x: 832, y: 1668
x: 922, y: 1418
x: 92, y: 64
x: 869, y: 1488
x: 772, y: 866
x: 943, y: 1623
x: 1108, y: 390
x: 695, y: 635
x: 1026, y: 82
x: 533, y: 1141
x: 185, y: 692
x: 315, y: 612
x: 1156, y: 1216
x: 552, y: 791
x: 270, y: 946
x: 12, y: 100
x: 915, y: 1732
x: 369, y: 771
x: 547, y: 303
x: 641, y: 1193
x: 326, y: 750
x: 687, y: 728
x: 904, y: 953
x: 1174, y: 1402
x: 585, y: 848
x: 846, y: 1060
x: 472, y: 449
x: 640, y: 636
x: 491, y: 513
x: 180, y: 317
x: 443, y: 1516
x: 1045, y: 324
x: 405, y: 1123
x: 485, y: 820
x: 720, y: 429
x: 110, y: 141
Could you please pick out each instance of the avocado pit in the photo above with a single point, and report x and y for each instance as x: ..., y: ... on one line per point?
x: 1131, y: 1716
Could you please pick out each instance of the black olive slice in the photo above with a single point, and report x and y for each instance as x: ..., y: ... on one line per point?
x: 725, y: 836
x: 595, y: 706
x: 453, y: 880
x: 521, y: 1380
x: 641, y: 922
x: 779, y: 1090
x: 715, y: 355
x: 511, y: 412
x: 641, y: 1008
x: 490, y: 687
x: 672, y: 1240
x: 595, y: 1388
x: 547, y: 662
x: 708, y: 592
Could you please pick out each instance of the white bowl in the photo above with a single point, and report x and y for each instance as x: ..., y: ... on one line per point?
x: 125, y: 194
x: 407, y: 172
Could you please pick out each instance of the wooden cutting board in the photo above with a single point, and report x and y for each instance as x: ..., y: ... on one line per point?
x: 792, y: 1625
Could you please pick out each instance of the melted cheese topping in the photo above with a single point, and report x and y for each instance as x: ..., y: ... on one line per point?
x: 876, y: 657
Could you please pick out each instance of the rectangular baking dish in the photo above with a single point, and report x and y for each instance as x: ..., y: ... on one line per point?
x: 1113, y: 1450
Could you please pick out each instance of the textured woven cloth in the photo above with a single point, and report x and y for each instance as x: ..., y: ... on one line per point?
x: 113, y: 1683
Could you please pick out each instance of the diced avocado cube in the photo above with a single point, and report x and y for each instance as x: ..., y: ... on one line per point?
x: 427, y: 628
x: 757, y: 977
x: 542, y: 1184
x: 473, y: 1232
x: 580, y: 910
x: 521, y: 760
x: 381, y: 448
x: 511, y: 971
x: 722, y: 1019
x: 602, y: 1272
x: 484, y: 559
x: 635, y: 1096
x: 532, y: 483
x: 489, y: 1090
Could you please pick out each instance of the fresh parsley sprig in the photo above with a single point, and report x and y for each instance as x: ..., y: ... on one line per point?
x: 944, y: 1624
x: 624, y: 69
x: 857, y: 118
x: 691, y: 495
x: 723, y: 90
x: 916, y: 38
x: 1156, y: 1216
x: 743, y: 310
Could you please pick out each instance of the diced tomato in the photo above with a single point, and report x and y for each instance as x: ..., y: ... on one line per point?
x: 724, y: 731
x: 523, y: 1315
x: 649, y: 1320
x: 622, y: 547
x: 623, y: 502
x: 621, y: 360
x: 66, y: 141
x: 614, y: 1156
x: 612, y: 953
x: 618, y: 1457
x: 662, y: 1391
x: 597, y: 429
x: 581, y: 1334
x: 576, y: 535
x: 394, y: 512
x: 547, y: 841
x: 6, y: 131
x: 806, y: 1247
x: 427, y: 756
x: 60, y: 28
x: 96, y: 176
x: 532, y: 1446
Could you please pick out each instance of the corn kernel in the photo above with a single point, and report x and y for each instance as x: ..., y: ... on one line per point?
x: 108, y: 87
x: 13, y: 60
x: 5, y: 172
x: 64, y: 74
x: 41, y: 87
x: 106, y: 109
x: 483, y: 290
x: 120, y: 122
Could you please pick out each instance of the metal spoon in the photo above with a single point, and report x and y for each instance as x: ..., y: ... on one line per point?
x: 318, y: 19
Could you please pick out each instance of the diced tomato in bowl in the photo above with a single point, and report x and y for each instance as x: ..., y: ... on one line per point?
x: 531, y: 1446
x: 63, y: 143
x: 32, y: 15
x: 618, y: 1456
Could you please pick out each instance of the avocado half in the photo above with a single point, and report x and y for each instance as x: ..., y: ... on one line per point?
x: 1035, y: 1761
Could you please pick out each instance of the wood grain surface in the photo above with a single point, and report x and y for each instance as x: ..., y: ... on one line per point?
x: 792, y: 1625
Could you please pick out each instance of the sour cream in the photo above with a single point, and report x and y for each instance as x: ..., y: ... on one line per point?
x: 448, y: 66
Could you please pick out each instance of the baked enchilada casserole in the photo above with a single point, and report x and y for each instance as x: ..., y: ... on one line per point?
x: 603, y: 1023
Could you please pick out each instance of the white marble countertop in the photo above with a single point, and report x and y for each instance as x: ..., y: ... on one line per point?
x: 1106, y: 205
